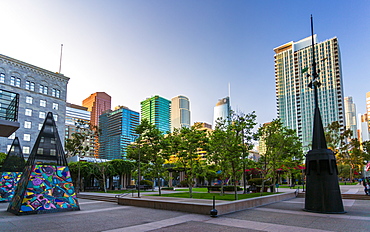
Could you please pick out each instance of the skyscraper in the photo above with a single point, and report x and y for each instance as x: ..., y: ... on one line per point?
x: 36, y: 91
x: 117, y: 132
x: 351, y: 118
x: 180, y: 112
x: 222, y: 110
x: 97, y: 103
x: 157, y: 110
x: 295, y: 100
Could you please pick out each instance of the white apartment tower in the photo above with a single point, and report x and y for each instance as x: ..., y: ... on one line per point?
x: 295, y: 100
x: 351, y: 117
x: 180, y: 112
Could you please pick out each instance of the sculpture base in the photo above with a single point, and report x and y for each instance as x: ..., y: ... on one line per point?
x: 322, y: 187
x: 44, y: 189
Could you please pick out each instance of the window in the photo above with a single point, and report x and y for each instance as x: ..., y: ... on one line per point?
x: 12, y: 136
x: 40, y: 151
x: 27, y: 137
x: 40, y: 126
x: 43, y: 89
x: 12, y: 80
x: 18, y: 82
x: 55, y: 106
x: 55, y: 93
x: 55, y: 117
x: 2, y: 77
x: 43, y: 103
x: 26, y: 150
x: 30, y: 85
x: 28, y: 112
x: 29, y: 99
x: 53, y: 152
x: 41, y: 114
x: 27, y: 124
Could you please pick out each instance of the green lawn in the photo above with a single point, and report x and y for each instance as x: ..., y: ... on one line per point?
x: 202, y: 190
x: 225, y: 197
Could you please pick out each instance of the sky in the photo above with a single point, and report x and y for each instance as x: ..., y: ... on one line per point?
x: 133, y: 50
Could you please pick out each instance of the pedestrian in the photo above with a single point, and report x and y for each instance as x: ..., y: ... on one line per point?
x: 366, y: 186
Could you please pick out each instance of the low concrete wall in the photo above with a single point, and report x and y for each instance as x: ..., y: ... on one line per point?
x: 202, y: 208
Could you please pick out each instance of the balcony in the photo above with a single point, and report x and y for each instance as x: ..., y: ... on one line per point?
x: 8, y: 113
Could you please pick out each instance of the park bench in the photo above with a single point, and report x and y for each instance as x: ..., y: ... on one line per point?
x: 213, y: 188
x: 292, y: 186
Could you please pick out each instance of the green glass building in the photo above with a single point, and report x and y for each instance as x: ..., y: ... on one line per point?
x: 157, y: 110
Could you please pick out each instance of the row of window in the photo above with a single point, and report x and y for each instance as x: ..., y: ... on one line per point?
x: 40, y: 151
x: 29, y: 100
x: 16, y: 81
x: 28, y: 112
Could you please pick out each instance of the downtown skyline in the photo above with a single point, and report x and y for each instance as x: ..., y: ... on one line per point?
x: 135, y: 50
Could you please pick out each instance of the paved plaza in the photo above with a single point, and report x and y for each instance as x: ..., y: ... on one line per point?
x: 109, y: 216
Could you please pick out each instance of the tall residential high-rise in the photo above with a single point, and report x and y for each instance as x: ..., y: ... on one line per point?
x: 295, y: 100
x: 222, y: 110
x: 180, y: 112
x: 157, y: 110
x: 37, y: 92
x: 117, y: 132
x: 364, y: 134
x: 351, y: 117
x: 97, y: 103
x: 77, y: 117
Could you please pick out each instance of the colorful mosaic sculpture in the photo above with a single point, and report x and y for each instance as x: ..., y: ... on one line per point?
x: 11, y: 171
x: 46, y: 183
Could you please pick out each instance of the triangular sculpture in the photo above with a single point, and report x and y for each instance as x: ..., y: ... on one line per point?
x: 11, y: 171
x: 46, y: 184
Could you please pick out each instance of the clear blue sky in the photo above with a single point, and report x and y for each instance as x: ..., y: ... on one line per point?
x: 136, y: 49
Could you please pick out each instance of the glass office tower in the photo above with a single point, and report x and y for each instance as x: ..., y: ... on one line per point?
x: 157, y: 110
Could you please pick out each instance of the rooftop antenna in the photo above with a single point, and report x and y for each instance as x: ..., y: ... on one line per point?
x: 60, y: 61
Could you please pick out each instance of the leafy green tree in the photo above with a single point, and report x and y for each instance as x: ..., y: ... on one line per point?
x: 121, y: 168
x: 230, y: 143
x: 186, y: 143
x: 149, y: 148
x: 2, y: 158
x: 283, y: 150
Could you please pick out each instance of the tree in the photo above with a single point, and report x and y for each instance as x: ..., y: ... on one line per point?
x: 230, y: 143
x: 283, y: 150
x: 2, y: 158
x: 121, y: 168
x: 186, y: 143
x: 149, y: 148
x: 77, y: 144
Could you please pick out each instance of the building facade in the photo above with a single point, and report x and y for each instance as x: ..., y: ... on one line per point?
x: 295, y: 100
x: 180, y: 112
x: 97, y: 103
x: 40, y: 91
x: 368, y: 109
x: 350, y: 115
x: 77, y: 120
x: 117, y: 132
x: 222, y: 110
x: 157, y: 110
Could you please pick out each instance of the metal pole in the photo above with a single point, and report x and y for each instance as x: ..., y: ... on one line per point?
x: 138, y: 178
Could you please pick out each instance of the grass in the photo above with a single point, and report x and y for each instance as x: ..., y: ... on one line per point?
x: 348, y: 183
x: 209, y: 196
x: 203, y: 190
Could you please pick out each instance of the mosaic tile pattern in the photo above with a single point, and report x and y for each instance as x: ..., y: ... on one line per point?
x: 8, y: 182
x: 44, y: 189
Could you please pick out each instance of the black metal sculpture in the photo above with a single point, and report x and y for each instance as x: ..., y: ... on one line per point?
x: 322, y: 188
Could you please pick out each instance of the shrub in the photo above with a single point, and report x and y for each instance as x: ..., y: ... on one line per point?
x: 146, y: 182
x: 167, y: 188
x: 231, y: 188
x: 258, y: 181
